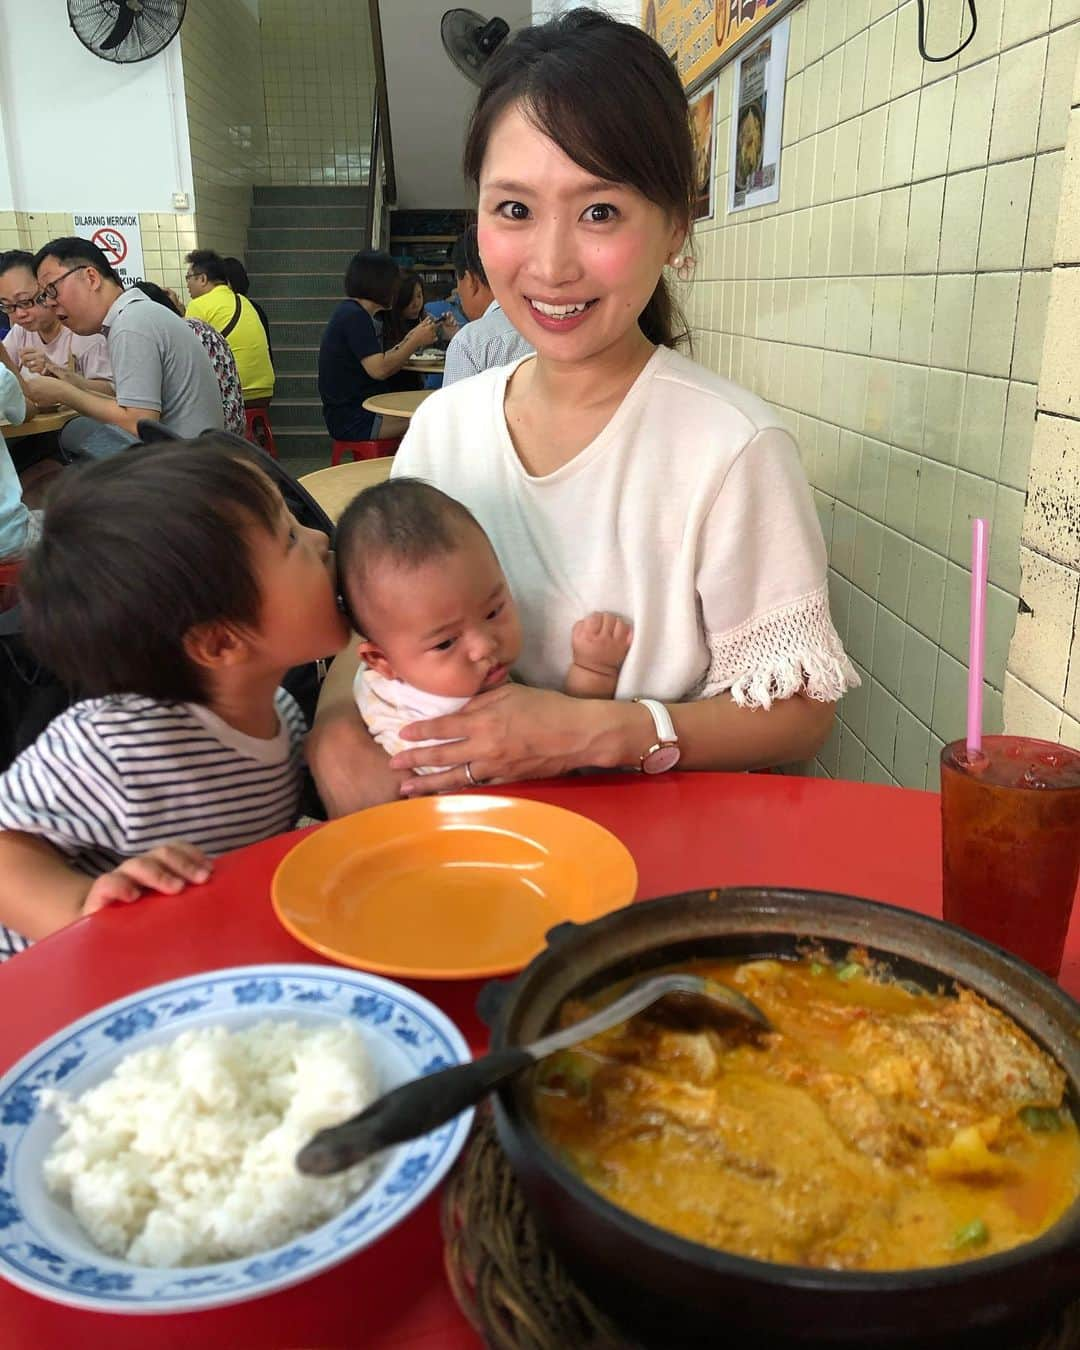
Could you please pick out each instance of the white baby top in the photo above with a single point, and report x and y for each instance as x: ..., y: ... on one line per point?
x: 387, y: 705
x: 689, y: 515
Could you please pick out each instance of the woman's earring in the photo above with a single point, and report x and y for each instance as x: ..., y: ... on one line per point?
x: 683, y: 266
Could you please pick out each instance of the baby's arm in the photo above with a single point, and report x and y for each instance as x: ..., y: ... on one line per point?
x: 40, y: 892
x: 599, y: 644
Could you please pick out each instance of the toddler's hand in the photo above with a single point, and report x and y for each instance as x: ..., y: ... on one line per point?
x: 169, y: 867
x: 600, y: 642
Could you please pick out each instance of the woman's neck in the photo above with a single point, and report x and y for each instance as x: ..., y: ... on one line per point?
x: 601, y: 381
x: 51, y: 331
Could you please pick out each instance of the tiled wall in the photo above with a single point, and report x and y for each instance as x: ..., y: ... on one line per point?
x: 1042, y: 683
x: 319, y: 84
x: 223, y: 86
x: 165, y: 239
x: 892, y: 305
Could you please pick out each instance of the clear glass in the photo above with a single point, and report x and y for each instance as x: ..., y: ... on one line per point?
x: 1010, y: 824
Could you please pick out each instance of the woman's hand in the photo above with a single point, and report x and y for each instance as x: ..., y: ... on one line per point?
x: 423, y: 335
x: 510, y: 733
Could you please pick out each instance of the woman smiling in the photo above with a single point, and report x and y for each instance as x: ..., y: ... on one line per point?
x: 610, y: 472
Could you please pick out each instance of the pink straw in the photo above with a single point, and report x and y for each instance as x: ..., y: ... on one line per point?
x: 980, y: 553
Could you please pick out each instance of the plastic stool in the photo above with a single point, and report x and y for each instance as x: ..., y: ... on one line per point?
x: 9, y: 582
x: 363, y: 449
x: 259, y: 431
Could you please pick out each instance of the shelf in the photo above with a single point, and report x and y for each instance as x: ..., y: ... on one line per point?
x: 423, y: 238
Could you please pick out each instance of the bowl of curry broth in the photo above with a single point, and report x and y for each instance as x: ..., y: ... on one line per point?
x: 896, y: 1163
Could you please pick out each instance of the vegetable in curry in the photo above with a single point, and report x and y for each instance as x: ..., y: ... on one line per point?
x: 877, y: 1127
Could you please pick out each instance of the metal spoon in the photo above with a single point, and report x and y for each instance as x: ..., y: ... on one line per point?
x: 424, y: 1103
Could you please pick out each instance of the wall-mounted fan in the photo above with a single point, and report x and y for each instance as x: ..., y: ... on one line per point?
x: 126, y: 30
x: 470, y: 40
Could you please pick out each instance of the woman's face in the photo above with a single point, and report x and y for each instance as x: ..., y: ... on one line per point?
x: 416, y: 302
x: 571, y: 259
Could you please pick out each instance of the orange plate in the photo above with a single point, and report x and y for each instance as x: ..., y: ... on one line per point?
x: 448, y: 888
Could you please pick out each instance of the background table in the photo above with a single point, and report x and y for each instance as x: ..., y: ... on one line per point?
x: 684, y: 830
x: 434, y: 366
x: 37, y: 426
x: 334, y: 488
x: 401, y: 404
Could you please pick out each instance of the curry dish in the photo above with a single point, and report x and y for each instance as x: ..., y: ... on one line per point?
x: 876, y: 1127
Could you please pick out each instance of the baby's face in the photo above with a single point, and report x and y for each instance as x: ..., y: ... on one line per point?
x: 449, y: 626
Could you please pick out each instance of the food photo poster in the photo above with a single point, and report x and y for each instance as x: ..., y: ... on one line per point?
x: 703, y: 121
x: 757, y: 121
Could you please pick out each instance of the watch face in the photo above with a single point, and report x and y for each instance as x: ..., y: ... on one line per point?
x: 661, y: 759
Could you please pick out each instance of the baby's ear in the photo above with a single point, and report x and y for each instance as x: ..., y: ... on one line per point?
x: 374, y: 658
x: 215, y: 645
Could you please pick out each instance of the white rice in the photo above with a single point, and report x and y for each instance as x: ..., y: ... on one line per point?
x: 185, y: 1154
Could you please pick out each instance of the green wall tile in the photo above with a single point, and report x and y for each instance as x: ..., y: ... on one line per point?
x: 912, y: 750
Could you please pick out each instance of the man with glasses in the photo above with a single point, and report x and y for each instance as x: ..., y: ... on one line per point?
x: 38, y: 341
x: 160, y: 368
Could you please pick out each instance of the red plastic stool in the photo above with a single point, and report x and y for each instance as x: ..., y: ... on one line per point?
x: 9, y: 583
x: 363, y: 449
x: 259, y: 431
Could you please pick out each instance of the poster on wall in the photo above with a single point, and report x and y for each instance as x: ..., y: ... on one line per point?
x: 703, y: 121
x: 120, y: 239
x: 757, y: 120
x: 700, y: 35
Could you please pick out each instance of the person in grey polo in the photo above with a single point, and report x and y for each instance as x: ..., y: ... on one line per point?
x: 489, y: 338
x: 160, y: 368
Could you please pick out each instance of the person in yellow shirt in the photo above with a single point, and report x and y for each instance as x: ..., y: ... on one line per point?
x: 215, y: 302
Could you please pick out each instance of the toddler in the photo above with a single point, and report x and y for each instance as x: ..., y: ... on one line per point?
x: 423, y: 588
x: 171, y: 590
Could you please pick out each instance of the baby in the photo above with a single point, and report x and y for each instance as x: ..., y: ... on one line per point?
x: 423, y: 588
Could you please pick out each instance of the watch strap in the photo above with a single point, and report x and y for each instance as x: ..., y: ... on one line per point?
x: 665, y: 727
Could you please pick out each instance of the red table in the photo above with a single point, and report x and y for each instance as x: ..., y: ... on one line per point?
x: 684, y: 830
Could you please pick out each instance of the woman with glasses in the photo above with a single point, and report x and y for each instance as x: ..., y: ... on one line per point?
x: 38, y: 341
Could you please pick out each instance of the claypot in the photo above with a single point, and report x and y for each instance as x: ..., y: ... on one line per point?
x: 669, y: 1292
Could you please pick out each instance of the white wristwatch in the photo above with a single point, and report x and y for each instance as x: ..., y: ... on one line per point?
x: 665, y: 753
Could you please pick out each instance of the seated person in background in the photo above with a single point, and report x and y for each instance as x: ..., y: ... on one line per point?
x: 18, y: 524
x: 423, y: 588
x: 238, y: 279
x: 352, y: 363
x: 219, y: 352
x: 171, y: 589
x: 38, y: 341
x: 159, y: 366
x: 215, y: 302
x: 489, y: 338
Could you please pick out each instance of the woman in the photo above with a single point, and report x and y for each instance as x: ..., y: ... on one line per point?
x: 352, y: 363
x: 404, y: 314
x: 609, y: 471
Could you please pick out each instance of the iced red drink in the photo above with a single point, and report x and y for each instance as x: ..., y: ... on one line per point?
x: 1010, y: 820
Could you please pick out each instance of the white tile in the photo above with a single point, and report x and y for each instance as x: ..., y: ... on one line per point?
x: 996, y: 296
x: 969, y: 140
x: 1005, y: 215
x: 1015, y: 131
x: 932, y: 139
x: 1030, y: 326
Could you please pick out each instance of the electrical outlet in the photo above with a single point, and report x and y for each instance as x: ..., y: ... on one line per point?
x: 180, y: 201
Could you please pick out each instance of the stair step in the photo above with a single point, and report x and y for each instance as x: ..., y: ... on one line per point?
x: 294, y: 238
x: 302, y: 385
x: 278, y: 285
x: 313, y: 312
x: 301, y: 414
x: 294, y: 360
x: 315, y: 216
x: 294, y: 444
x: 301, y: 262
x: 302, y: 195
x: 290, y: 332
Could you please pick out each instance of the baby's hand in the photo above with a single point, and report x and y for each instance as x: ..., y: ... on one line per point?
x: 600, y: 643
x: 170, y: 867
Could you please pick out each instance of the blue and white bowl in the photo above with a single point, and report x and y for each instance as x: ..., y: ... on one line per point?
x: 42, y: 1247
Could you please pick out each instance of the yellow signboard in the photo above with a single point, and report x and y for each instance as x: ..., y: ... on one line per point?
x: 700, y: 35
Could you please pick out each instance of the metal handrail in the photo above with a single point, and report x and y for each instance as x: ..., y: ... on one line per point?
x: 380, y: 124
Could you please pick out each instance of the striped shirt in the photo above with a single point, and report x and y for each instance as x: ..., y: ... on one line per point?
x: 111, y: 778
x: 491, y: 340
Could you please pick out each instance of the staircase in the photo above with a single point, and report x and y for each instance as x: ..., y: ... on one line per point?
x: 299, y: 242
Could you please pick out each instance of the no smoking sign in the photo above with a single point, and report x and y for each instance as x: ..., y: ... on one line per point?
x: 113, y: 244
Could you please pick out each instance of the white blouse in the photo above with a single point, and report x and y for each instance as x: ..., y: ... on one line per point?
x: 689, y: 515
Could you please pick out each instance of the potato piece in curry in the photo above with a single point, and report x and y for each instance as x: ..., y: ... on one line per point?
x: 876, y: 1128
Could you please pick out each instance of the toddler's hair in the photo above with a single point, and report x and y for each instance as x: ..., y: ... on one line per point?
x: 403, y: 521
x: 136, y: 551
